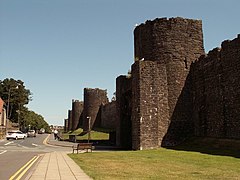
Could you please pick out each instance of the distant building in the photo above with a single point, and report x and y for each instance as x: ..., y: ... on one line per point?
x: 52, y: 127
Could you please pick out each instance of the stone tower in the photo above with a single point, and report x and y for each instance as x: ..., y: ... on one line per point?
x: 93, y: 99
x: 65, y: 125
x: 77, y: 108
x: 69, y: 120
x: 161, y: 101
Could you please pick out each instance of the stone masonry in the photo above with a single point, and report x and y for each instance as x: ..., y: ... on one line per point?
x: 164, y: 51
x: 65, y: 125
x: 77, y: 109
x: 216, y: 92
x: 108, y: 115
x: 174, y: 91
x: 69, y: 120
x: 93, y: 99
x: 96, y: 105
x: 124, y: 112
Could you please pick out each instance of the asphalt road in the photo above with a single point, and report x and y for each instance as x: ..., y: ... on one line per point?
x: 14, y: 154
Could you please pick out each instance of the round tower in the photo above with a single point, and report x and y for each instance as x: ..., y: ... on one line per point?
x: 93, y: 99
x: 164, y: 50
x: 77, y: 108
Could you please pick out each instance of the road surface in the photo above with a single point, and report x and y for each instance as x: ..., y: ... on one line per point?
x: 15, y: 155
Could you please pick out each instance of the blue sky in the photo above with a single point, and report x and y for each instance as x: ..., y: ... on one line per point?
x: 59, y: 47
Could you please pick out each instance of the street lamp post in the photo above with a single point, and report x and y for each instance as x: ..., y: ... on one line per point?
x: 89, y: 128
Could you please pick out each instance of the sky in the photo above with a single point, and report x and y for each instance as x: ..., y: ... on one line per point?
x: 59, y: 47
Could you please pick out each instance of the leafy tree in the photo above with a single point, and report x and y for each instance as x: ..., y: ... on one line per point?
x: 16, y: 96
x: 32, y: 120
x: 14, y: 92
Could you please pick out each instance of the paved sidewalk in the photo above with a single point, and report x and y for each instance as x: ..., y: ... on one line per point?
x: 57, y: 165
x: 52, y: 141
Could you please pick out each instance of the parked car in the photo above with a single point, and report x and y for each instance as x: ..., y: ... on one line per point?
x: 31, y: 133
x: 41, y: 131
x: 15, y: 135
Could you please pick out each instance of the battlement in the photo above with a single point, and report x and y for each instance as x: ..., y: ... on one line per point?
x: 170, y: 21
x: 75, y: 100
x: 167, y: 40
x: 175, y: 90
x: 231, y: 43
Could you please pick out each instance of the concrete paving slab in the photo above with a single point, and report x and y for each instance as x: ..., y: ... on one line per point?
x: 57, y: 166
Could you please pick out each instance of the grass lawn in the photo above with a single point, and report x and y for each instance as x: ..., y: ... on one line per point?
x: 157, y: 164
x: 95, y: 135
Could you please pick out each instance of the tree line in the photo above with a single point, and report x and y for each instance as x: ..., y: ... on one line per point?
x: 16, y: 97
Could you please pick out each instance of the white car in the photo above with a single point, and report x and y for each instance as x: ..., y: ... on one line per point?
x: 31, y: 133
x: 15, y: 135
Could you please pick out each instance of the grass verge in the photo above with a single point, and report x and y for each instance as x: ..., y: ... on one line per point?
x: 157, y: 164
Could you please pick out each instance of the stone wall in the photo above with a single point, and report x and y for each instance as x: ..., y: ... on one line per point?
x: 171, y: 44
x: 65, y: 125
x: 216, y: 92
x: 149, y: 106
x: 230, y: 56
x: 93, y: 99
x: 69, y: 120
x: 124, y: 111
x: 77, y: 109
x: 174, y: 90
x: 109, y: 116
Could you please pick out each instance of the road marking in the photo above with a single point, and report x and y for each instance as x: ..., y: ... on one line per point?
x: 29, y: 162
x: 3, y: 152
x: 19, y: 145
x: 8, y: 143
x: 27, y: 168
x: 45, y: 140
x: 34, y: 144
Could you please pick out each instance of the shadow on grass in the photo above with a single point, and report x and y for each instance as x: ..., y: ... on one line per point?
x: 213, y: 146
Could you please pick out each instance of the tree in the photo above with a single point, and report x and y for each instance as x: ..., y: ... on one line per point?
x: 14, y: 92
x: 32, y: 120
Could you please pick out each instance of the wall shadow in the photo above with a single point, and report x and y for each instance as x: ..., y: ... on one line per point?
x: 181, y: 124
x: 181, y: 132
x: 212, y: 146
